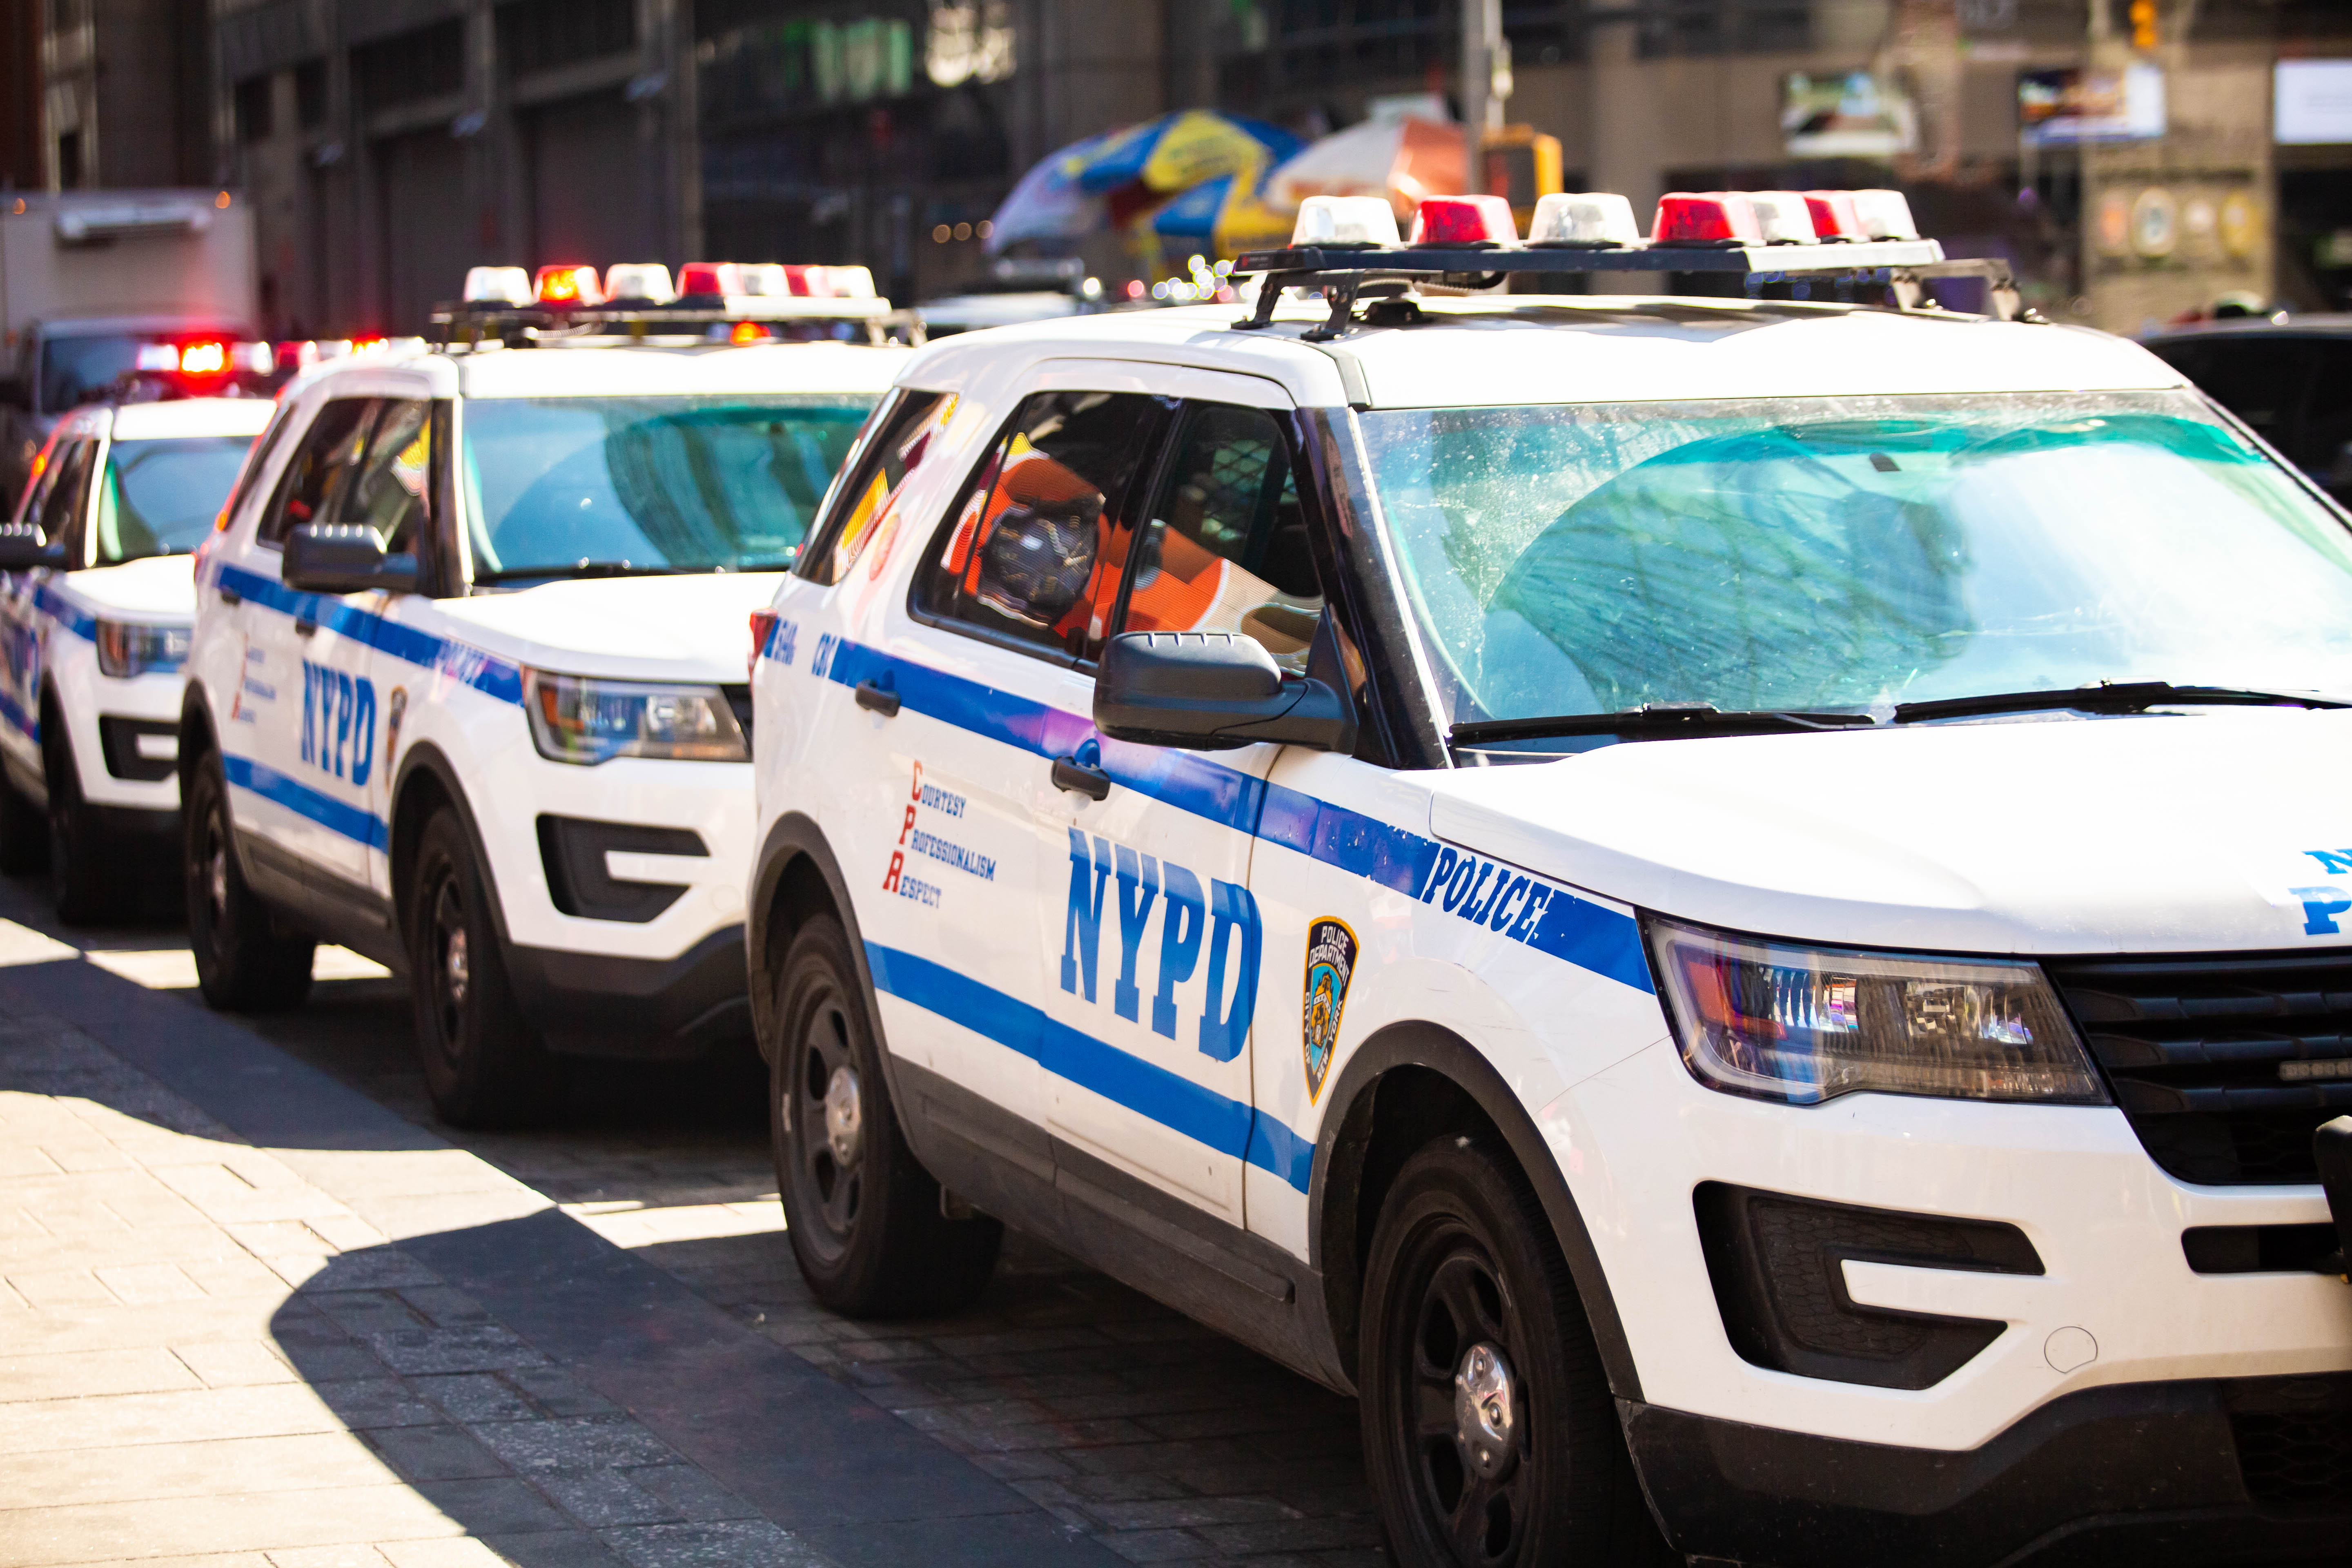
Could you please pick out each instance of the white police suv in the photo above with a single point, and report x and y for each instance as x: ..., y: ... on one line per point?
x: 94, y: 615
x: 1737, y: 911
x: 466, y: 692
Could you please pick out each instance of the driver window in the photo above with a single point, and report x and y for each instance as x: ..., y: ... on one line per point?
x: 1227, y: 548
x: 1034, y: 550
x: 388, y: 490
x: 61, y: 508
x: 330, y: 446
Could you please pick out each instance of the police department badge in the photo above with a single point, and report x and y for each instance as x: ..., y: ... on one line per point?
x: 1330, y: 964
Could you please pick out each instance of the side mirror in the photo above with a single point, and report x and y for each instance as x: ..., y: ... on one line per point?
x: 22, y: 549
x: 1211, y: 691
x: 344, y: 558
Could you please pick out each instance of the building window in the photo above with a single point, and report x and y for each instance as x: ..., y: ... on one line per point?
x: 253, y: 108
x: 411, y: 67
x: 310, y: 94
x: 535, y: 35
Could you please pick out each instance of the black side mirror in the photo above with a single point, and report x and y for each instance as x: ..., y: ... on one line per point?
x: 344, y: 558
x: 1211, y: 691
x: 22, y: 548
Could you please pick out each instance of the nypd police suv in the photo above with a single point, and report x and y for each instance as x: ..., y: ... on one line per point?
x: 1736, y: 911
x: 94, y: 619
x: 466, y: 692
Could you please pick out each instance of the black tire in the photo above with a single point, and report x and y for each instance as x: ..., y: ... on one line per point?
x: 90, y: 881
x: 1464, y: 1274
x: 245, y: 964
x: 863, y: 1216
x: 485, y: 1066
x: 24, y: 831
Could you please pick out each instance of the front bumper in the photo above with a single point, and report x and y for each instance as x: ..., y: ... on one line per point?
x: 642, y: 1008
x: 2208, y: 1470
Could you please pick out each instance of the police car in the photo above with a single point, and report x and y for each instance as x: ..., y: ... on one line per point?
x: 94, y: 617
x: 466, y: 692
x: 1736, y: 910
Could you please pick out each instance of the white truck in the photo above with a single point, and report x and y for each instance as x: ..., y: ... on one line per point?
x: 88, y: 278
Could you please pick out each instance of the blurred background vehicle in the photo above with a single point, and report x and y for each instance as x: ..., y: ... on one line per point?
x: 1016, y: 289
x: 2289, y: 377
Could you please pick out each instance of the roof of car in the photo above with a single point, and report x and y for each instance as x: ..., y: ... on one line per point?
x: 645, y: 372
x: 2319, y: 323
x: 1528, y: 348
x: 191, y: 417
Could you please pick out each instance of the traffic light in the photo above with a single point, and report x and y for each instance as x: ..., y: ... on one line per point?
x: 2143, y: 24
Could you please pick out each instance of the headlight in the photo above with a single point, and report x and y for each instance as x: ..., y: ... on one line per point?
x: 574, y: 719
x: 125, y: 649
x: 1807, y: 1023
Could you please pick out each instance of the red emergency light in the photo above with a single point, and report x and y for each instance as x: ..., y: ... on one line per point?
x: 1835, y: 217
x: 567, y: 283
x: 702, y: 279
x: 744, y: 333
x: 1443, y: 222
x: 1713, y: 218
x: 206, y: 358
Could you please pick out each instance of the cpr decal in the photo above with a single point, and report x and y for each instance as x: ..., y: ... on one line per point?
x: 915, y: 839
x: 338, y: 722
x: 1224, y: 918
x: 1330, y: 964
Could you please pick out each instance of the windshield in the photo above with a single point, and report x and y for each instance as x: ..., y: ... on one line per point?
x: 160, y: 496
x: 561, y: 484
x: 75, y: 370
x: 1852, y: 552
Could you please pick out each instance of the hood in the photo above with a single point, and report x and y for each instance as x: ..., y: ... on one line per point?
x: 160, y: 588
x: 2215, y: 830
x: 688, y: 628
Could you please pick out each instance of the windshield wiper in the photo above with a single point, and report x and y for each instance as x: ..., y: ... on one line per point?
x: 584, y: 569
x: 2111, y: 697
x: 1657, y: 721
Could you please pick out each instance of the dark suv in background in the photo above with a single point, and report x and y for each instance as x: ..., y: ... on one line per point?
x: 2290, y: 379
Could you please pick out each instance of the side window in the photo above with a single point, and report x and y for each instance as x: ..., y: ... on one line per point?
x: 257, y: 462
x: 387, y: 489
x: 900, y: 435
x: 330, y: 448
x: 61, y: 508
x: 1227, y: 548
x: 1035, y: 550
x: 36, y: 494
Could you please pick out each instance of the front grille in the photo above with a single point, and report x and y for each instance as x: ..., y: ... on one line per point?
x: 2193, y: 1047
x: 2301, y: 1456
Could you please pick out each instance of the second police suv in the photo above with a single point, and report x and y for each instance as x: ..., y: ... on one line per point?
x: 467, y: 693
x: 1734, y: 911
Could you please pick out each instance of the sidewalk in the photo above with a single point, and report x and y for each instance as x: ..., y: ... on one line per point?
x: 286, y: 1327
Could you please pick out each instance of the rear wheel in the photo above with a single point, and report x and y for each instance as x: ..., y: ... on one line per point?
x: 863, y: 1218
x: 24, y: 831
x: 1489, y: 1430
x: 89, y: 879
x: 484, y: 1064
x: 244, y: 963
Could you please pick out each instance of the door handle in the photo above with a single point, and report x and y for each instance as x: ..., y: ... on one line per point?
x: 1072, y: 774
x: 877, y: 698
x: 231, y: 596
x: 304, y: 626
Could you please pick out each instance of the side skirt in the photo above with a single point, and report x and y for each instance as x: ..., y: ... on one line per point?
x: 322, y: 903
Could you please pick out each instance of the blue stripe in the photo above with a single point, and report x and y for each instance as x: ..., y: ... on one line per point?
x: 1228, y: 1126
x: 1574, y: 930
x: 328, y: 813
x: 18, y: 717
x: 65, y: 613
x: 484, y: 672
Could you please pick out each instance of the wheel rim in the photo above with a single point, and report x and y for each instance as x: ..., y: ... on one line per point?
x: 216, y: 870
x: 1470, y: 1431
x: 827, y: 1118
x: 448, y: 962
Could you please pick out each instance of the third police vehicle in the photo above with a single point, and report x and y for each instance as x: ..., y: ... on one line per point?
x: 466, y: 692
x: 1736, y: 911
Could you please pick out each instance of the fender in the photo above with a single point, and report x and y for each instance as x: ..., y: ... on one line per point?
x: 424, y: 756
x: 1346, y: 1121
x: 794, y: 836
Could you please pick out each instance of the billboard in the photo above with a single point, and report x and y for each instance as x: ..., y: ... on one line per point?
x: 2070, y: 106
x: 2311, y: 102
x: 1857, y: 114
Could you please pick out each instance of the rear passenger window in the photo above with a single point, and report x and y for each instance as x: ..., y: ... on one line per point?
x: 387, y: 489
x: 903, y: 431
x: 329, y: 449
x: 1033, y: 552
x: 1226, y: 550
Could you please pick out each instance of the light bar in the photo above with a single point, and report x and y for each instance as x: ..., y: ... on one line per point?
x: 1336, y: 222
x: 1469, y: 222
x: 498, y: 286
x: 1885, y: 215
x: 708, y: 280
x: 569, y: 283
x: 639, y: 282
x: 203, y: 359
x: 1724, y: 218
x: 156, y: 356
x: 254, y: 359
x: 765, y: 279
x: 851, y: 282
x: 1833, y: 216
x: 1782, y: 218
x: 1586, y: 220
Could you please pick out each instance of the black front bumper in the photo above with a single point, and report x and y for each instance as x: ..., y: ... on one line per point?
x: 591, y: 1005
x: 2144, y: 1474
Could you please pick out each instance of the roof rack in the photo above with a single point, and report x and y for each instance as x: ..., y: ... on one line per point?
x: 1903, y: 266
x: 523, y: 326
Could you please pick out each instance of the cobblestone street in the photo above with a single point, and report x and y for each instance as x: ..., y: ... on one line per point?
x: 253, y: 1316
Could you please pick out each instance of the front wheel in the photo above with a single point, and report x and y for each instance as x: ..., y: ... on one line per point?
x: 1489, y: 1430
x: 88, y: 877
x: 484, y: 1064
x: 244, y: 963
x: 24, y: 831
x: 863, y: 1218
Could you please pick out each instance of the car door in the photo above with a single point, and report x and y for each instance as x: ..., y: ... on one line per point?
x: 1157, y: 948
x: 289, y: 753
x: 1016, y: 574
x: 30, y: 606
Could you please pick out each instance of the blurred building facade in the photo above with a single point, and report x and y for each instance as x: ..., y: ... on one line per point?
x: 388, y: 144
